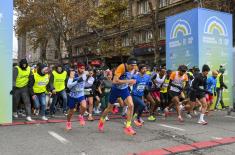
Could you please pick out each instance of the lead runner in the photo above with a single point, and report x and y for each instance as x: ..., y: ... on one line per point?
x: 121, y: 81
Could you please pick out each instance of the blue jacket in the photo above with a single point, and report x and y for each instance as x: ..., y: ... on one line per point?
x: 211, y: 84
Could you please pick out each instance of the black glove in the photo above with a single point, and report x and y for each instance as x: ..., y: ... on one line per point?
x: 78, y: 79
x: 12, y: 91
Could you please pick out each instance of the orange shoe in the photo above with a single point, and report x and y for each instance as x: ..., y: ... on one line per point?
x: 68, y: 126
x: 81, y: 120
x: 138, y: 123
x: 101, y: 126
x: 129, y: 131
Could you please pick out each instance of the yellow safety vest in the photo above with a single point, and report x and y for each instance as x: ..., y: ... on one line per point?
x: 59, y: 80
x: 22, y: 78
x: 218, y: 81
x: 165, y: 86
x: 40, y: 83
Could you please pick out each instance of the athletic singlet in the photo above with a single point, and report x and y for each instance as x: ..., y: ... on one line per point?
x: 159, y: 81
x: 124, y: 76
x: 178, y: 81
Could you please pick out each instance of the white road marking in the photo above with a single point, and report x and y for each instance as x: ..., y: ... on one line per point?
x: 58, y: 137
x: 230, y: 116
x: 172, y: 127
x: 217, y: 138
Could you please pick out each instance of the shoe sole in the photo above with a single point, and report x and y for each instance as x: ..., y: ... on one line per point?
x: 129, y: 134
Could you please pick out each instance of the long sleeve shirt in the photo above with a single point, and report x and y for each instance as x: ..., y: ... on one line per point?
x: 211, y: 84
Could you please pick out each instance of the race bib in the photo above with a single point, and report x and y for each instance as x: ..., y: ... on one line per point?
x: 140, y: 87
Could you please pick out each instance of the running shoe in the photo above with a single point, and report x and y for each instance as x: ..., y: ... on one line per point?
x: 135, y: 116
x: 29, y: 119
x: 180, y: 119
x: 151, y: 118
x: 68, y: 126
x: 141, y: 120
x: 202, y: 122
x: 107, y: 118
x: 115, y: 110
x: 129, y: 131
x: 138, y: 123
x: 90, y: 118
x: 44, y: 118
x: 166, y: 112
x: 81, y: 120
x: 15, y: 115
x: 101, y: 126
x: 189, y: 116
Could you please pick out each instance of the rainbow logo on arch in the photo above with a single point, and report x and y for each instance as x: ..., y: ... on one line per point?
x: 180, y: 26
x: 215, y: 24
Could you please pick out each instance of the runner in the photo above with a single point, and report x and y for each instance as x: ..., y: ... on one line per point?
x: 164, y: 92
x: 199, y: 89
x: 121, y: 80
x: 89, y: 93
x: 142, y: 81
x: 211, y: 87
x: 157, y: 82
x: 76, y: 95
x: 177, y: 80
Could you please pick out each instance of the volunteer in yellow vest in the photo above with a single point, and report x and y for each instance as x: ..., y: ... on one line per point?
x: 57, y: 82
x: 38, y: 85
x: 20, y: 90
x: 220, y: 85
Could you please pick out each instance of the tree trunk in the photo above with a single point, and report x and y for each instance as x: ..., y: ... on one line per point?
x: 155, y: 29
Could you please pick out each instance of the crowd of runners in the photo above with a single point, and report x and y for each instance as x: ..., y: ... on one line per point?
x: 131, y: 85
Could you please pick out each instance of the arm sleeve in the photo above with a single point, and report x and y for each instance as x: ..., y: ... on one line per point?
x: 51, y: 81
x: 15, y: 74
x: 71, y: 83
x: 31, y: 83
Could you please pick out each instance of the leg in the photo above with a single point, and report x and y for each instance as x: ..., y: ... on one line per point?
x: 218, y: 98
x: 52, y: 106
x: 90, y: 102
x: 64, y: 98
x: 42, y: 99
x: 16, y: 100
x: 27, y: 103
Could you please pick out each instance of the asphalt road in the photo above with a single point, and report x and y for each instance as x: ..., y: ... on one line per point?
x: 51, y: 139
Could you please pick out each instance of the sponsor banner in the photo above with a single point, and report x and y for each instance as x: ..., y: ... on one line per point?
x: 6, y: 35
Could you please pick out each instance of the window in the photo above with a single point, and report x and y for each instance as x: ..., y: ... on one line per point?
x: 143, y: 7
x: 174, y: 1
x: 145, y: 36
x: 162, y: 3
x: 162, y: 32
x: 125, y: 41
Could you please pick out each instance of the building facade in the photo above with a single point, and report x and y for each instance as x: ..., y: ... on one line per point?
x: 137, y: 37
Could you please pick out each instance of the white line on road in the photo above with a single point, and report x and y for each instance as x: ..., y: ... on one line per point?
x: 58, y: 137
x: 217, y: 138
x: 229, y: 116
x: 172, y: 127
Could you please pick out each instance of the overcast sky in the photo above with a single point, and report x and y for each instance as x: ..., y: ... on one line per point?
x: 15, y: 41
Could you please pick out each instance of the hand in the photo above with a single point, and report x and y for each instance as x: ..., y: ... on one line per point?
x: 214, y: 93
x: 54, y: 91
x: 12, y: 91
x: 132, y: 82
x: 34, y: 97
x: 72, y: 74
